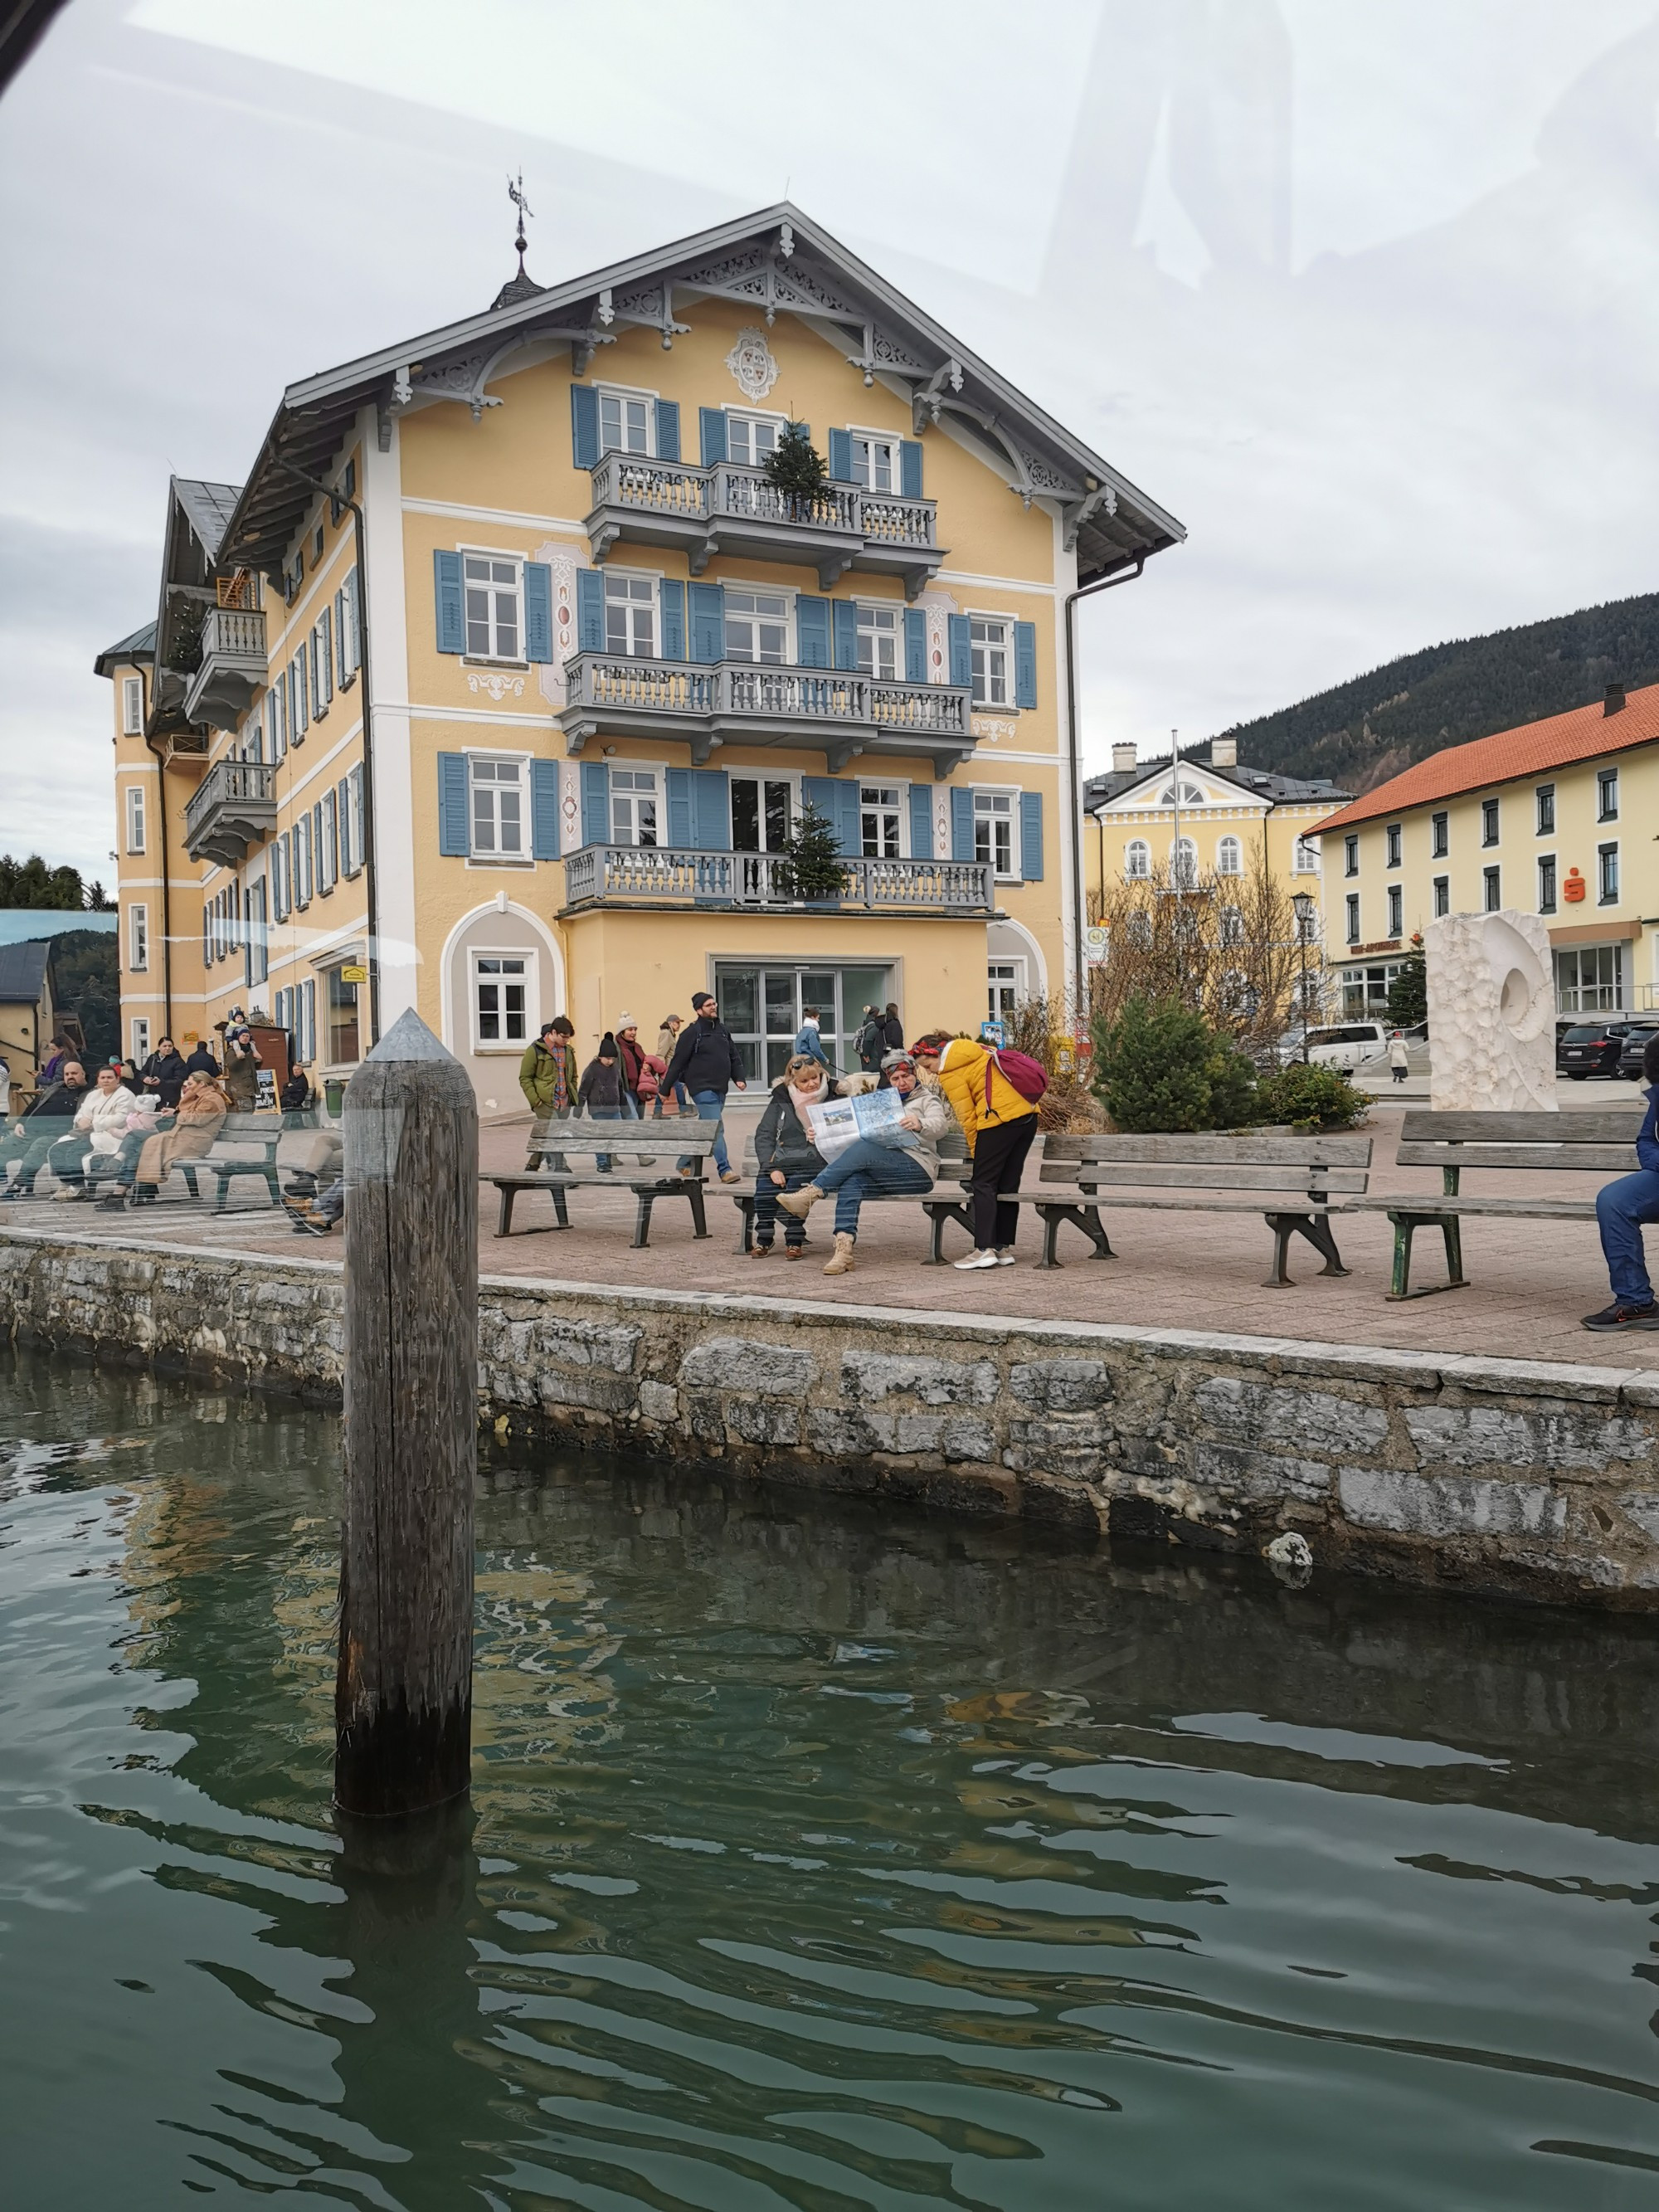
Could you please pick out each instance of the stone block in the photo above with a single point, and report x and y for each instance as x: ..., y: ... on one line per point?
x: 592, y: 1389
x: 660, y: 1401
x: 964, y: 1438
x: 1235, y: 1471
x: 870, y: 1376
x: 1492, y: 1011
x: 763, y: 1421
x: 1448, y: 1505
x: 1264, y: 1415
x: 745, y: 1363
x: 1642, y: 1506
x: 842, y: 1435
x: 1062, y: 1386
x: 1554, y: 1437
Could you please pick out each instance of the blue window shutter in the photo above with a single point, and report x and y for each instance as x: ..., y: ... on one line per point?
x: 845, y: 615
x: 538, y: 610
x: 543, y: 810
x: 678, y: 783
x: 584, y: 425
x: 590, y: 611
x: 596, y: 803
x: 671, y: 594
x: 452, y: 616
x: 921, y: 823
x: 916, y: 646
x: 962, y: 649
x: 1024, y: 664
x: 910, y: 468
x: 819, y: 792
x: 711, y: 427
x: 849, y: 828
x: 840, y: 456
x: 707, y: 621
x: 453, y: 837
x: 668, y: 430
x: 1030, y: 837
x: 962, y: 825
x: 711, y: 809
x: 813, y: 632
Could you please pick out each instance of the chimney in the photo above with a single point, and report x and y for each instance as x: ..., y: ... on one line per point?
x: 1224, y: 752
x: 1125, y: 759
x: 1614, y: 701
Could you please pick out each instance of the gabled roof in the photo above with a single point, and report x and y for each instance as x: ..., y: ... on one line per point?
x: 1559, y: 741
x: 774, y: 259
x: 22, y: 973
x: 140, y: 646
x: 207, y: 507
x: 1260, y: 783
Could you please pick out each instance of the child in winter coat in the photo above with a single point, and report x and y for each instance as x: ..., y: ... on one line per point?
x: 599, y: 1096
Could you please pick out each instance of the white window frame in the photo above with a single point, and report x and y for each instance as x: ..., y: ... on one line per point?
x: 299, y: 698
x: 1442, y: 896
x: 139, y: 938
x: 658, y: 793
x: 893, y: 628
x: 493, y: 657
x: 1351, y: 855
x: 281, y: 902
x: 622, y: 394
x: 898, y: 811
x: 1015, y: 979
x: 1137, y: 860
x: 1011, y: 874
x: 1305, y: 855
x: 532, y: 997
x: 135, y: 813
x: 132, y: 706
x: 477, y: 757
x: 1491, y: 888
x: 786, y: 593
x: 322, y: 662
x: 1183, y: 863
x: 305, y: 1027
x: 790, y: 778
x: 870, y: 439
x: 649, y: 600
x: 982, y: 679
x: 353, y: 816
x: 256, y: 936
x: 139, y: 1039
x: 763, y: 418
x: 1226, y: 849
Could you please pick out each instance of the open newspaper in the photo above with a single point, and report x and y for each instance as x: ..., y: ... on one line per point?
x: 842, y: 1121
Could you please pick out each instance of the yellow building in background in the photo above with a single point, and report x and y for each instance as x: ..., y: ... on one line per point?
x: 498, y: 687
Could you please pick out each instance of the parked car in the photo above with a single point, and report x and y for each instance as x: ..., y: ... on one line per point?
x: 1345, y: 1044
x: 1636, y: 1039
x: 1590, y: 1048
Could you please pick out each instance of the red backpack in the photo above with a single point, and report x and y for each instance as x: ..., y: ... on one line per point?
x: 1020, y: 1072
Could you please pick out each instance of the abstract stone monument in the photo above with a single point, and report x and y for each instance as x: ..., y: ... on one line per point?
x: 1491, y: 1013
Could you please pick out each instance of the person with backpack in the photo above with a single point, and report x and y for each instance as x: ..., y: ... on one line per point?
x: 994, y: 1095
x: 871, y: 1042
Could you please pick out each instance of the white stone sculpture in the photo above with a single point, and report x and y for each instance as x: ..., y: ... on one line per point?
x: 1491, y: 1013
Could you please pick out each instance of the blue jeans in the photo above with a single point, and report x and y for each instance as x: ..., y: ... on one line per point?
x: 867, y: 1168
x: 1621, y: 1207
x: 682, y: 1099
x: 602, y: 1160
x: 767, y: 1194
x: 711, y: 1105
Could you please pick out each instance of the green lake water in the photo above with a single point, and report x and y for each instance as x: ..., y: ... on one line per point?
x: 815, y: 1859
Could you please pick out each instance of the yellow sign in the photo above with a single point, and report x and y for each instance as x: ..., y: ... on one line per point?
x: 354, y: 974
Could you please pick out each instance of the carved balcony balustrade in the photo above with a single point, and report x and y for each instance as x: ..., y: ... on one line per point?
x: 671, y: 876
x: 232, y: 670
x: 727, y: 508
x: 706, y: 704
x: 233, y: 806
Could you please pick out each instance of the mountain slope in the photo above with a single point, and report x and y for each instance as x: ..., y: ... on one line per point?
x: 1363, y: 731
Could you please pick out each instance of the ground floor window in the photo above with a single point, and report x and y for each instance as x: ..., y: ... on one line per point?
x: 1004, y: 982
x: 762, y: 1005
x: 1366, y: 990
x: 344, y: 1045
x: 500, y: 1000
x: 1589, y: 979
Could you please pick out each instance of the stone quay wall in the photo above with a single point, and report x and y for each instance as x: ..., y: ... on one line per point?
x: 1488, y: 1475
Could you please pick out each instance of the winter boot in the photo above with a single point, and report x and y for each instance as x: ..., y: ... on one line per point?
x: 842, y: 1263
x: 801, y: 1202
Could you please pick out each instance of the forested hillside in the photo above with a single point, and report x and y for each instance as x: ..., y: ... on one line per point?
x: 1366, y: 730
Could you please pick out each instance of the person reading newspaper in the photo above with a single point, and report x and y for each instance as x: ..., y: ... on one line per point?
x: 883, y: 1142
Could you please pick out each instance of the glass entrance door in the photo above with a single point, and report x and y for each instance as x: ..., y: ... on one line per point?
x: 763, y: 1007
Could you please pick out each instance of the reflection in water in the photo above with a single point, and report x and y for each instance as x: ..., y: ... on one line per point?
x: 814, y: 1860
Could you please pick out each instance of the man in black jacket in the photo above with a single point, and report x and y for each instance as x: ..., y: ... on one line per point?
x: 707, y: 1062
x: 201, y: 1062
x: 41, y: 1127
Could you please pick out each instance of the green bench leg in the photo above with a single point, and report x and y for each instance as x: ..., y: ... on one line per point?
x: 641, y: 1220
x: 745, y: 1206
x: 504, y: 1226
x: 1405, y: 1225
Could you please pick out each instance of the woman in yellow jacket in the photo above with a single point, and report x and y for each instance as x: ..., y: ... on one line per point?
x: 998, y: 1125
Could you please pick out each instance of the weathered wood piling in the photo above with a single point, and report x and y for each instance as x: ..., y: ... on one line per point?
x: 402, y: 1700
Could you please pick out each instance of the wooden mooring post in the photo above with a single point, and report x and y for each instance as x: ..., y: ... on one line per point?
x: 403, y: 1697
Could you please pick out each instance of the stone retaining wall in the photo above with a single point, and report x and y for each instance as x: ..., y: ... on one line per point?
x: 1486, y: 1475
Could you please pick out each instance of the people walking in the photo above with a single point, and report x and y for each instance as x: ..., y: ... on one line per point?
x: 999, y: 1124
x: 707, y: 1062
x: 807, y: 1039
x: 903, y: 1163
x: 893, y: 1027
x: 1399, y: 1061
x: 667, y: 1037
x: 547, y: 1073
x: 599, y: 1095
x: 41, y: 1125
x: 785, y: 1156
x: 1622, y: 1208
x: 631, y: 1058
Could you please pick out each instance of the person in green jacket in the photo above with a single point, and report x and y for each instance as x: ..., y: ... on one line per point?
x: 547, y: 1073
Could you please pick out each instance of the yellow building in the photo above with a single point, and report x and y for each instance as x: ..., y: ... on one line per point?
x: 606, y: 663
x: 1557, y: 818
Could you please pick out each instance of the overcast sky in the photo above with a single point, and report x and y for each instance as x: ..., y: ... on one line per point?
x: 1366, y: 291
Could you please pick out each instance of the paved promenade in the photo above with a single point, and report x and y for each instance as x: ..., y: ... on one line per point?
x: 1530, y: 1282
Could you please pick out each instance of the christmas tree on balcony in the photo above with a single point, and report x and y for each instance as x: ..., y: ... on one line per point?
x: 809, y: 865
x: 794, y: 468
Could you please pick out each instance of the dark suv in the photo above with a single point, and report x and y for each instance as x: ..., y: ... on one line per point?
x: 1637, y: 1037
x: 1590, y: 1048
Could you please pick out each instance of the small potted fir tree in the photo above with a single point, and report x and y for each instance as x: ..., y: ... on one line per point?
x: 795, y: 469
x: 811, y: 867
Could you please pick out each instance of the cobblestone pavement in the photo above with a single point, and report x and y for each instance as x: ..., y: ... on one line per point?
x: 1530, y: 1282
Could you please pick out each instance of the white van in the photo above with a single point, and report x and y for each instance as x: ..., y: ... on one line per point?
x: 1345, y: 1044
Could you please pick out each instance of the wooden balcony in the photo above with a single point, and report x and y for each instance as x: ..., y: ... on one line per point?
x: 233, y: 806
x: 665, y: 876
x: 729, y: 509
x: 706, y: 704
x: 233, y: 667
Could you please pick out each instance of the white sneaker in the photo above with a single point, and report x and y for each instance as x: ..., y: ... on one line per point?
x: 977, y: 1260
x: 1007, y: 1256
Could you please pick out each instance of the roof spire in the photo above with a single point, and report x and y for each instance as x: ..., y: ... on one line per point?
x: 523, y: 286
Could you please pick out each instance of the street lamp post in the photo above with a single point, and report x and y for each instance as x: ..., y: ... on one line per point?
x: 1303, y: 904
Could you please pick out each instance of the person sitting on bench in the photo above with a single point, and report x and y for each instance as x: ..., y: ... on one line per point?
x: 901, y: 1165
x: 1622, y: 1208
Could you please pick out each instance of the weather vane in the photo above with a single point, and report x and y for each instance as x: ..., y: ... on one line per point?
x: 515, y: 193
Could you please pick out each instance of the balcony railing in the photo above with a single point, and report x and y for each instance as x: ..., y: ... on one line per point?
x: 731, y: 509
x: 667, y: 876
x: 232, y: 807
x: 233, y: 666
x: 707, y: 703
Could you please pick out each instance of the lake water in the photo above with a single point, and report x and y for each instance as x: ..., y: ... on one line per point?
x: 815, y: 1860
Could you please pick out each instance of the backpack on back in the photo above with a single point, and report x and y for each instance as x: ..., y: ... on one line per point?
x: 1020, y: 1072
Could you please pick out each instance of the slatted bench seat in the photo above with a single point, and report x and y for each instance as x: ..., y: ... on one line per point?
x: 945, y: 1202
x: 245, y: 1145
x: 1210, y: 1172
x: 1574, y: 1143
x: 643, y: 1156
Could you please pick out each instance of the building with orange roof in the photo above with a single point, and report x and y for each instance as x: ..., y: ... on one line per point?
x: 1558, y: 818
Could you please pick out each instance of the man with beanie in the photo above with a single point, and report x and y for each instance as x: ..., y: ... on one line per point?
x: 706, y: 1061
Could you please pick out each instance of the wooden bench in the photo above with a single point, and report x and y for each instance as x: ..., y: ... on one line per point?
x: 257, y: 1134
x: 1593, y: 1144
x: 643, y: 1153
x: 1209, y: 1172
x: 945, y: 1202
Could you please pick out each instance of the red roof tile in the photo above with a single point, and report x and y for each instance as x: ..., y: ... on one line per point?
x: 1585, y: 733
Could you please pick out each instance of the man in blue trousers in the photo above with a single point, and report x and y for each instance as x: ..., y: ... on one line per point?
x: 1622, y: 1208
